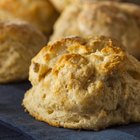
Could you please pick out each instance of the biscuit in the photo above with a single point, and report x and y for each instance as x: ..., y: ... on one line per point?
x: 39, y: 13
x: 62, y: 4
x: 19, y: 42
x: 5, y: 16
x: 121, y: 21
x: 84, y: 83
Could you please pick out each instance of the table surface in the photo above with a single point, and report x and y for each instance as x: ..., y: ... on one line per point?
x: 15, y: 123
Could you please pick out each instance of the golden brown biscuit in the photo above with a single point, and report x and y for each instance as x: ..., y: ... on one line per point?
x: 38, y: 12
x: 84, y: 84
x: 62, y: 4
x: 121, y: 21
x: 19, y: 42
x: 4, y: 16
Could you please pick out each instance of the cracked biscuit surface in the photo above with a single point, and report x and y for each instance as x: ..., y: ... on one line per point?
x: 39, y: 13
x: 19, y: 42
x: 84, y: 83
x: 117, y: 20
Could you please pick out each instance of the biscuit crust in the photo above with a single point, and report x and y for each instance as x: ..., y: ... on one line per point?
x: 19, y: 42
x: 39, y: 13
x: 62, y: 4
x: 84, y: 83
x: 118, y: 20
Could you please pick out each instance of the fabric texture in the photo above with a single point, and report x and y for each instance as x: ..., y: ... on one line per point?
x: 12, y: 115
x: 9, y: 132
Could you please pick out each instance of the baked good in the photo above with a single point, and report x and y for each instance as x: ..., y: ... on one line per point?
x: 62, y: 4
x: 40, y: 13
x: 4, y: 16
x: 121, y: 21
x: 19, y: 42
x: 84, y: 83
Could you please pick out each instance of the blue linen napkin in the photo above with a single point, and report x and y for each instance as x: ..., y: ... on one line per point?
x: 12, y: 114
x: 8, y: 132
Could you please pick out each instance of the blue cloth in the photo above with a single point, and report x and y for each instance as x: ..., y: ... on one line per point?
x: 8, y: 132
x: 12, y: 116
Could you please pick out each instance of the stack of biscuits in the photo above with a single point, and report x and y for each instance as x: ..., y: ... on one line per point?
x: 88, y: 74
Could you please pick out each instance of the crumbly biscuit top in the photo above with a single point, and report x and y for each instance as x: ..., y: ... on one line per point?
x: 88, y: 83
x: 119, y: 20
x: 71, y: 51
